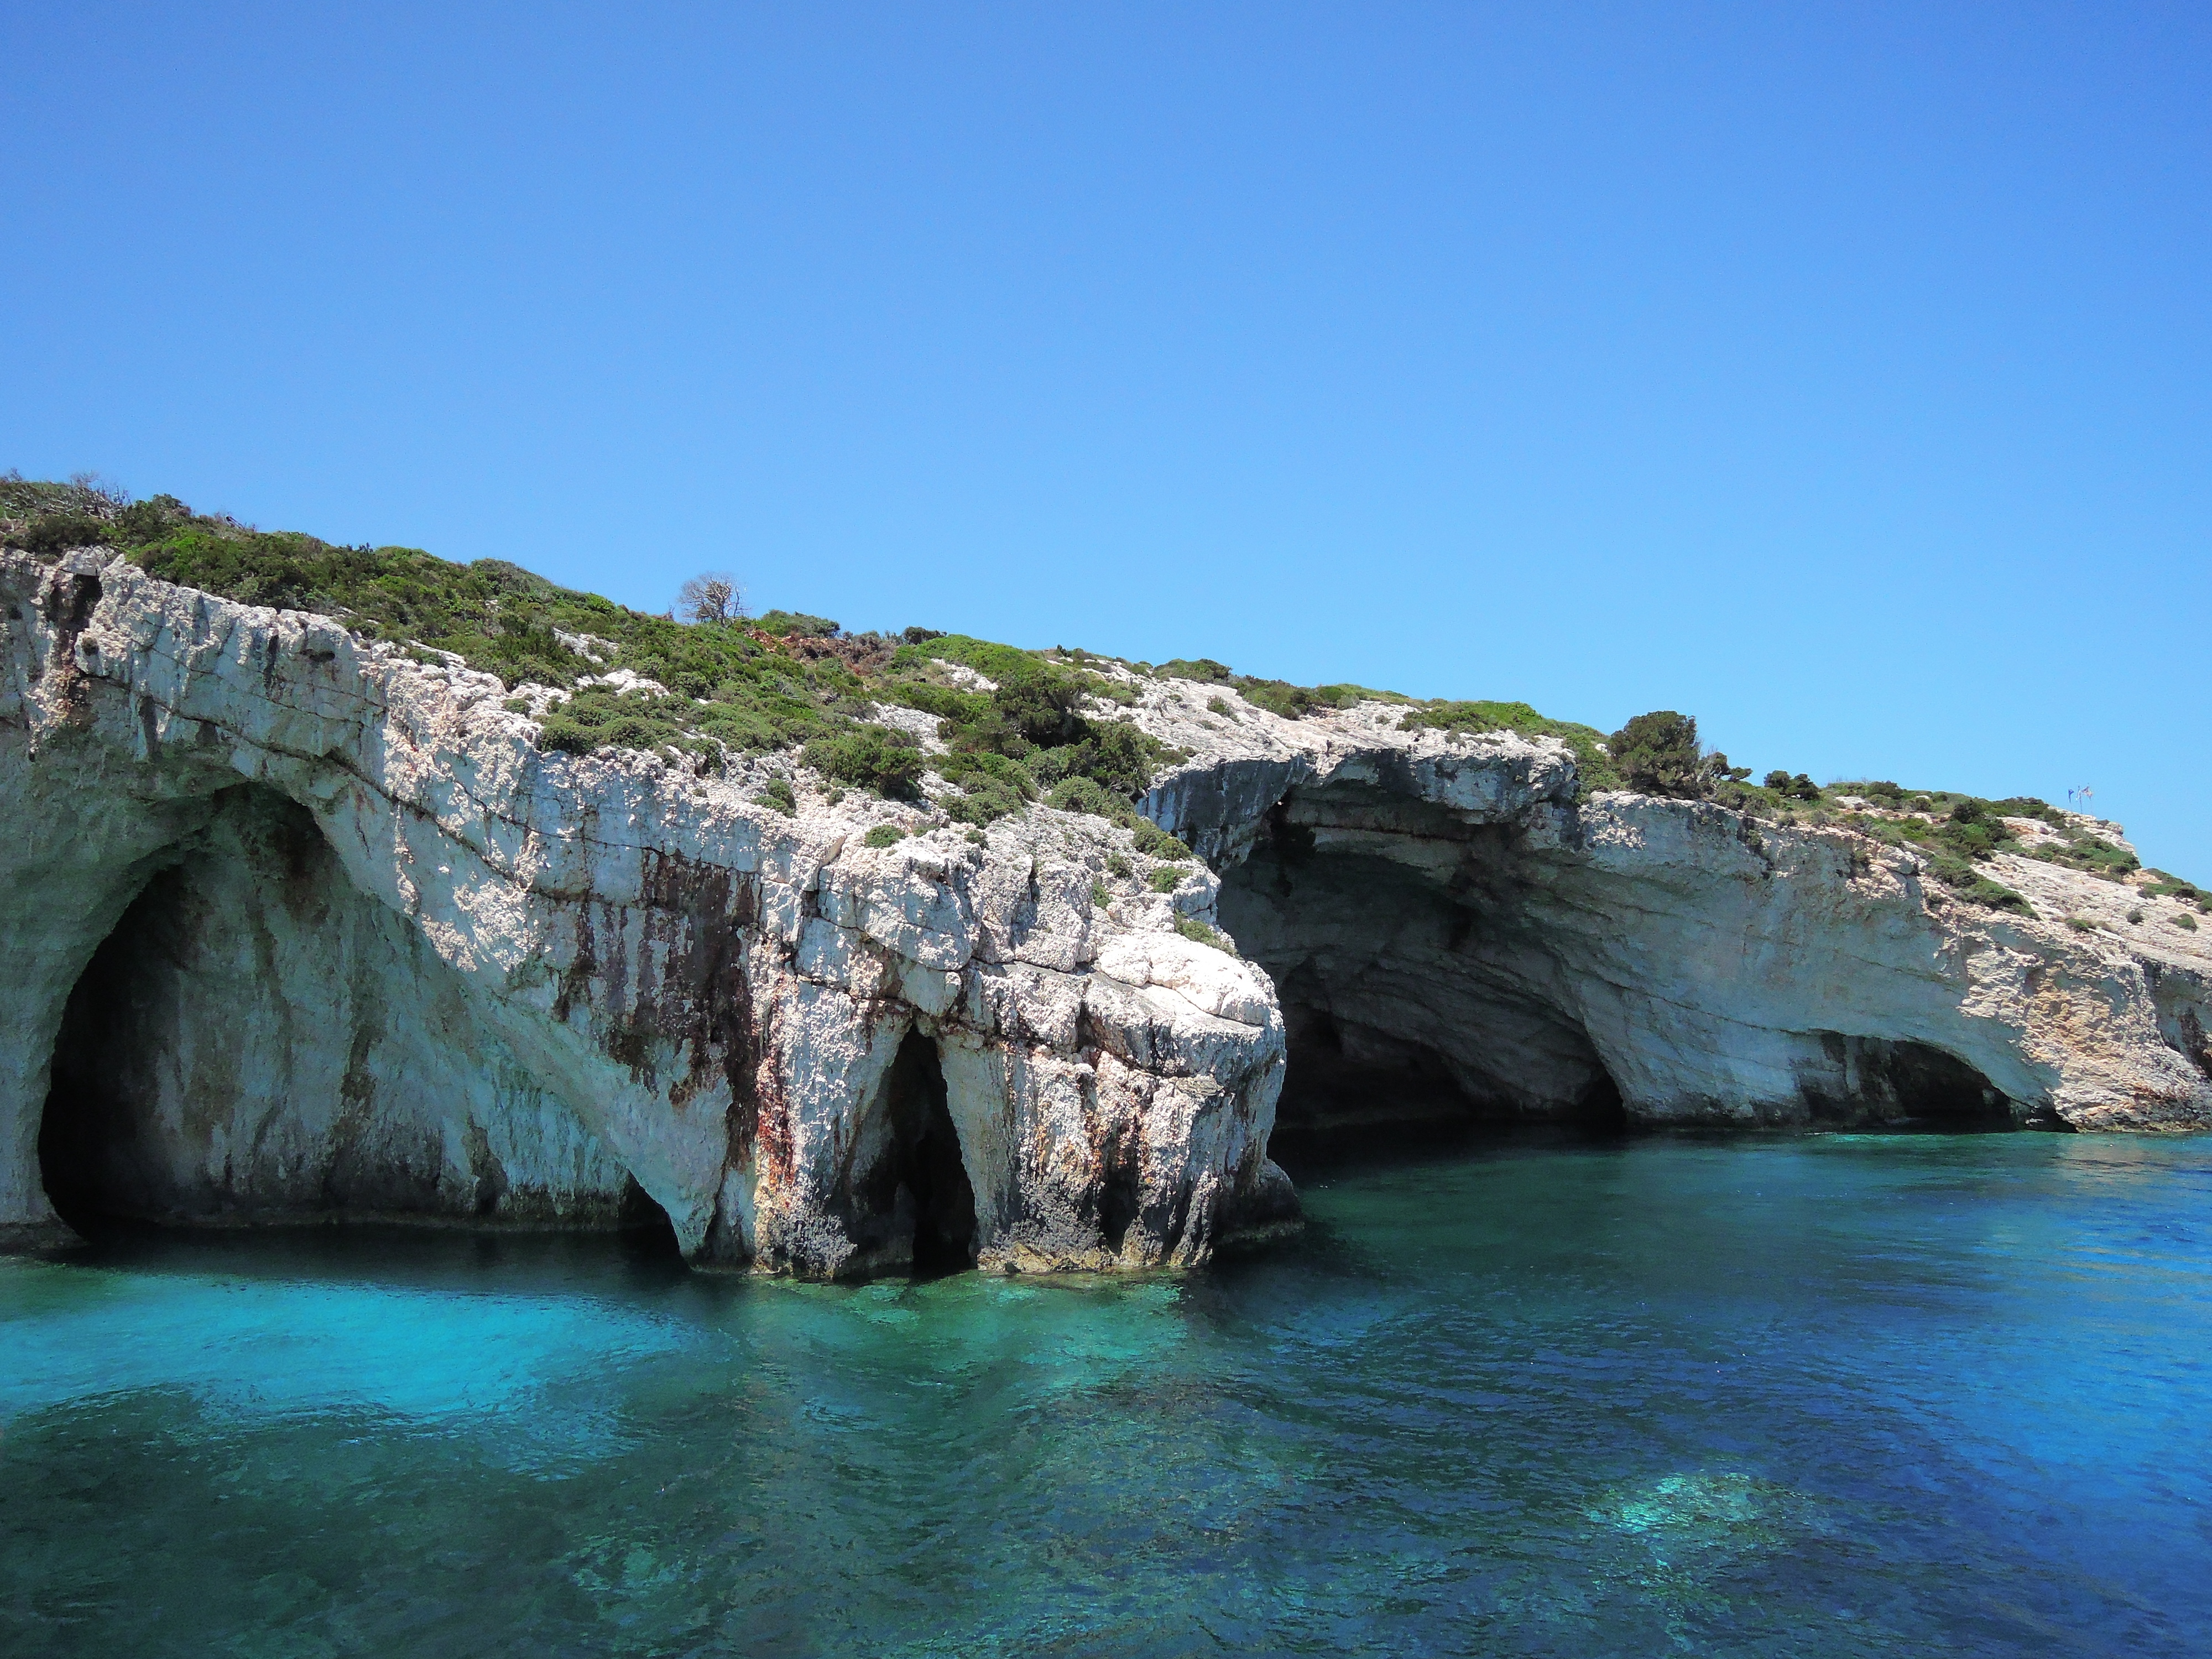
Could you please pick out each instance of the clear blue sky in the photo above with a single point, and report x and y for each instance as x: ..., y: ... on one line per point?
x: 1841, y: 375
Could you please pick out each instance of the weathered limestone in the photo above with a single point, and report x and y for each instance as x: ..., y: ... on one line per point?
x: 503, y: 984
x: 1443, y: 915
x: 299, y: 928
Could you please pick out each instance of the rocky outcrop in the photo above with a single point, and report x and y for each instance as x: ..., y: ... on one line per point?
x: 301, y: 928
x: 1449, y: 928
x: 298, y: 927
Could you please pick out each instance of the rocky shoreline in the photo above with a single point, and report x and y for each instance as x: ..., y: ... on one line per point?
x: 302, y: 925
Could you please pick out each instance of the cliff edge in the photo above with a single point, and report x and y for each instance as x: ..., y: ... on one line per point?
x: 305, y: 924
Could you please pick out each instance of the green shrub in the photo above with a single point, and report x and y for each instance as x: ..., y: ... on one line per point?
x: 1984, y: 891
x: 882, y: 836
x: 1799, y: 786
x: 1116, y: 864
x: 1203, y: 668
x: 1084, y: 795
x: 2028, y: 807
x: 2081, y: 924
x: 1593, y: 763
x: 1278, y: 697
x: 1969, y: 884
x: 53, y: 534
x: 1081, y: 794
x: 993, y: 786
x: 778, y: 793
x: 869, y: 757
x: 1114, y: 754
x: 1154, y: 841
x: 1658, y: 754
x: 983, y: 804
x: 2078, y: 849
x: 797, y: 624
x: 2186, y: 922
x: 1043, y: 706
x: 1034, y: 717
x: 945, y: 701
x: 1215, y: 705
x: 2135, y: 918
x: 1167, y: 878
x: 1191, y: 928
x: 1101, y: 895
x: 599, y: 719
x: 1746, y: 798
x: 1295, y: 702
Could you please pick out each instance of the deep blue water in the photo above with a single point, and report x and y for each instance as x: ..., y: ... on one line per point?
x: 1850, y: 1395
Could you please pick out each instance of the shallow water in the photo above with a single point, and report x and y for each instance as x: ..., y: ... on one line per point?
x: 1833, y: 1396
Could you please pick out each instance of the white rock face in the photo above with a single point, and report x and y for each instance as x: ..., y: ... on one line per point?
x: 393, y: 959
x: 296, y: 925
x: 1442, y: 917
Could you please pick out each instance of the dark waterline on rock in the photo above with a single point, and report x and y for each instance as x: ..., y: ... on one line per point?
x: 1842, y: 1395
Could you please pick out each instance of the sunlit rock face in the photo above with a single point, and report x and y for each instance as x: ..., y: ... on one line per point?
x: 1452, y: 932
x: 258, y: 1041
x: 297, y: 925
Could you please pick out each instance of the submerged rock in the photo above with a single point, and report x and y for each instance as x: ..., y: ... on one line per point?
x: 300, y: 927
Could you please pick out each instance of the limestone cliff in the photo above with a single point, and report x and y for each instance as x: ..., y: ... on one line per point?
x: 300, y: 926
x: 1447, y: 911
x: 342, y: 941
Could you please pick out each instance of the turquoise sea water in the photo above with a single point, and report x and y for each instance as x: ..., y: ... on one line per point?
x: 1850, y: 1395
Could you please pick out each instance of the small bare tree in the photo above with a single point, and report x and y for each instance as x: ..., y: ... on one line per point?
x: 711, y: 596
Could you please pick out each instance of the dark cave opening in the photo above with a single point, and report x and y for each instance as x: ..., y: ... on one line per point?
x: 921, y: 1179
x: 1877, y: 1081
x: 644, y: 1226
x: 257, y: 1041
x: 1418, y: 1005
x: 1351, y: 1091
x: 1120, y: 1203
x: 89, y: 1159
x: 1342, y: 1073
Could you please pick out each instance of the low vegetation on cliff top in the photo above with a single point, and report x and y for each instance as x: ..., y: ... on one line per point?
x: 1020, y: 725
x: 706, y: 688
x: 1659, y: 754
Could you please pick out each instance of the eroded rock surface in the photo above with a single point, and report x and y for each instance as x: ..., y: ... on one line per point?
x: 1449, y: 930
x: 300, y: 927
x: 367, y: 951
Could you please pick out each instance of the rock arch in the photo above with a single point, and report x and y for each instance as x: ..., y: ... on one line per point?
x: 1417, y: 997
x: 1876, y: 1082
x: 1441, y: 962
x: 256, y: 1040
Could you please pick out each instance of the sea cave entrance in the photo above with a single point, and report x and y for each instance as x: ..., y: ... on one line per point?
x: 1425, y: 991
x: 1874, y: 1082
x: 258, y: 1040
x: 1417, y: 1002
x: 917, y: 1206
x: 93, y: 1158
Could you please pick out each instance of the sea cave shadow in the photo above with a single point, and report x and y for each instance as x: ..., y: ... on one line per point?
x: 423, y: 1255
